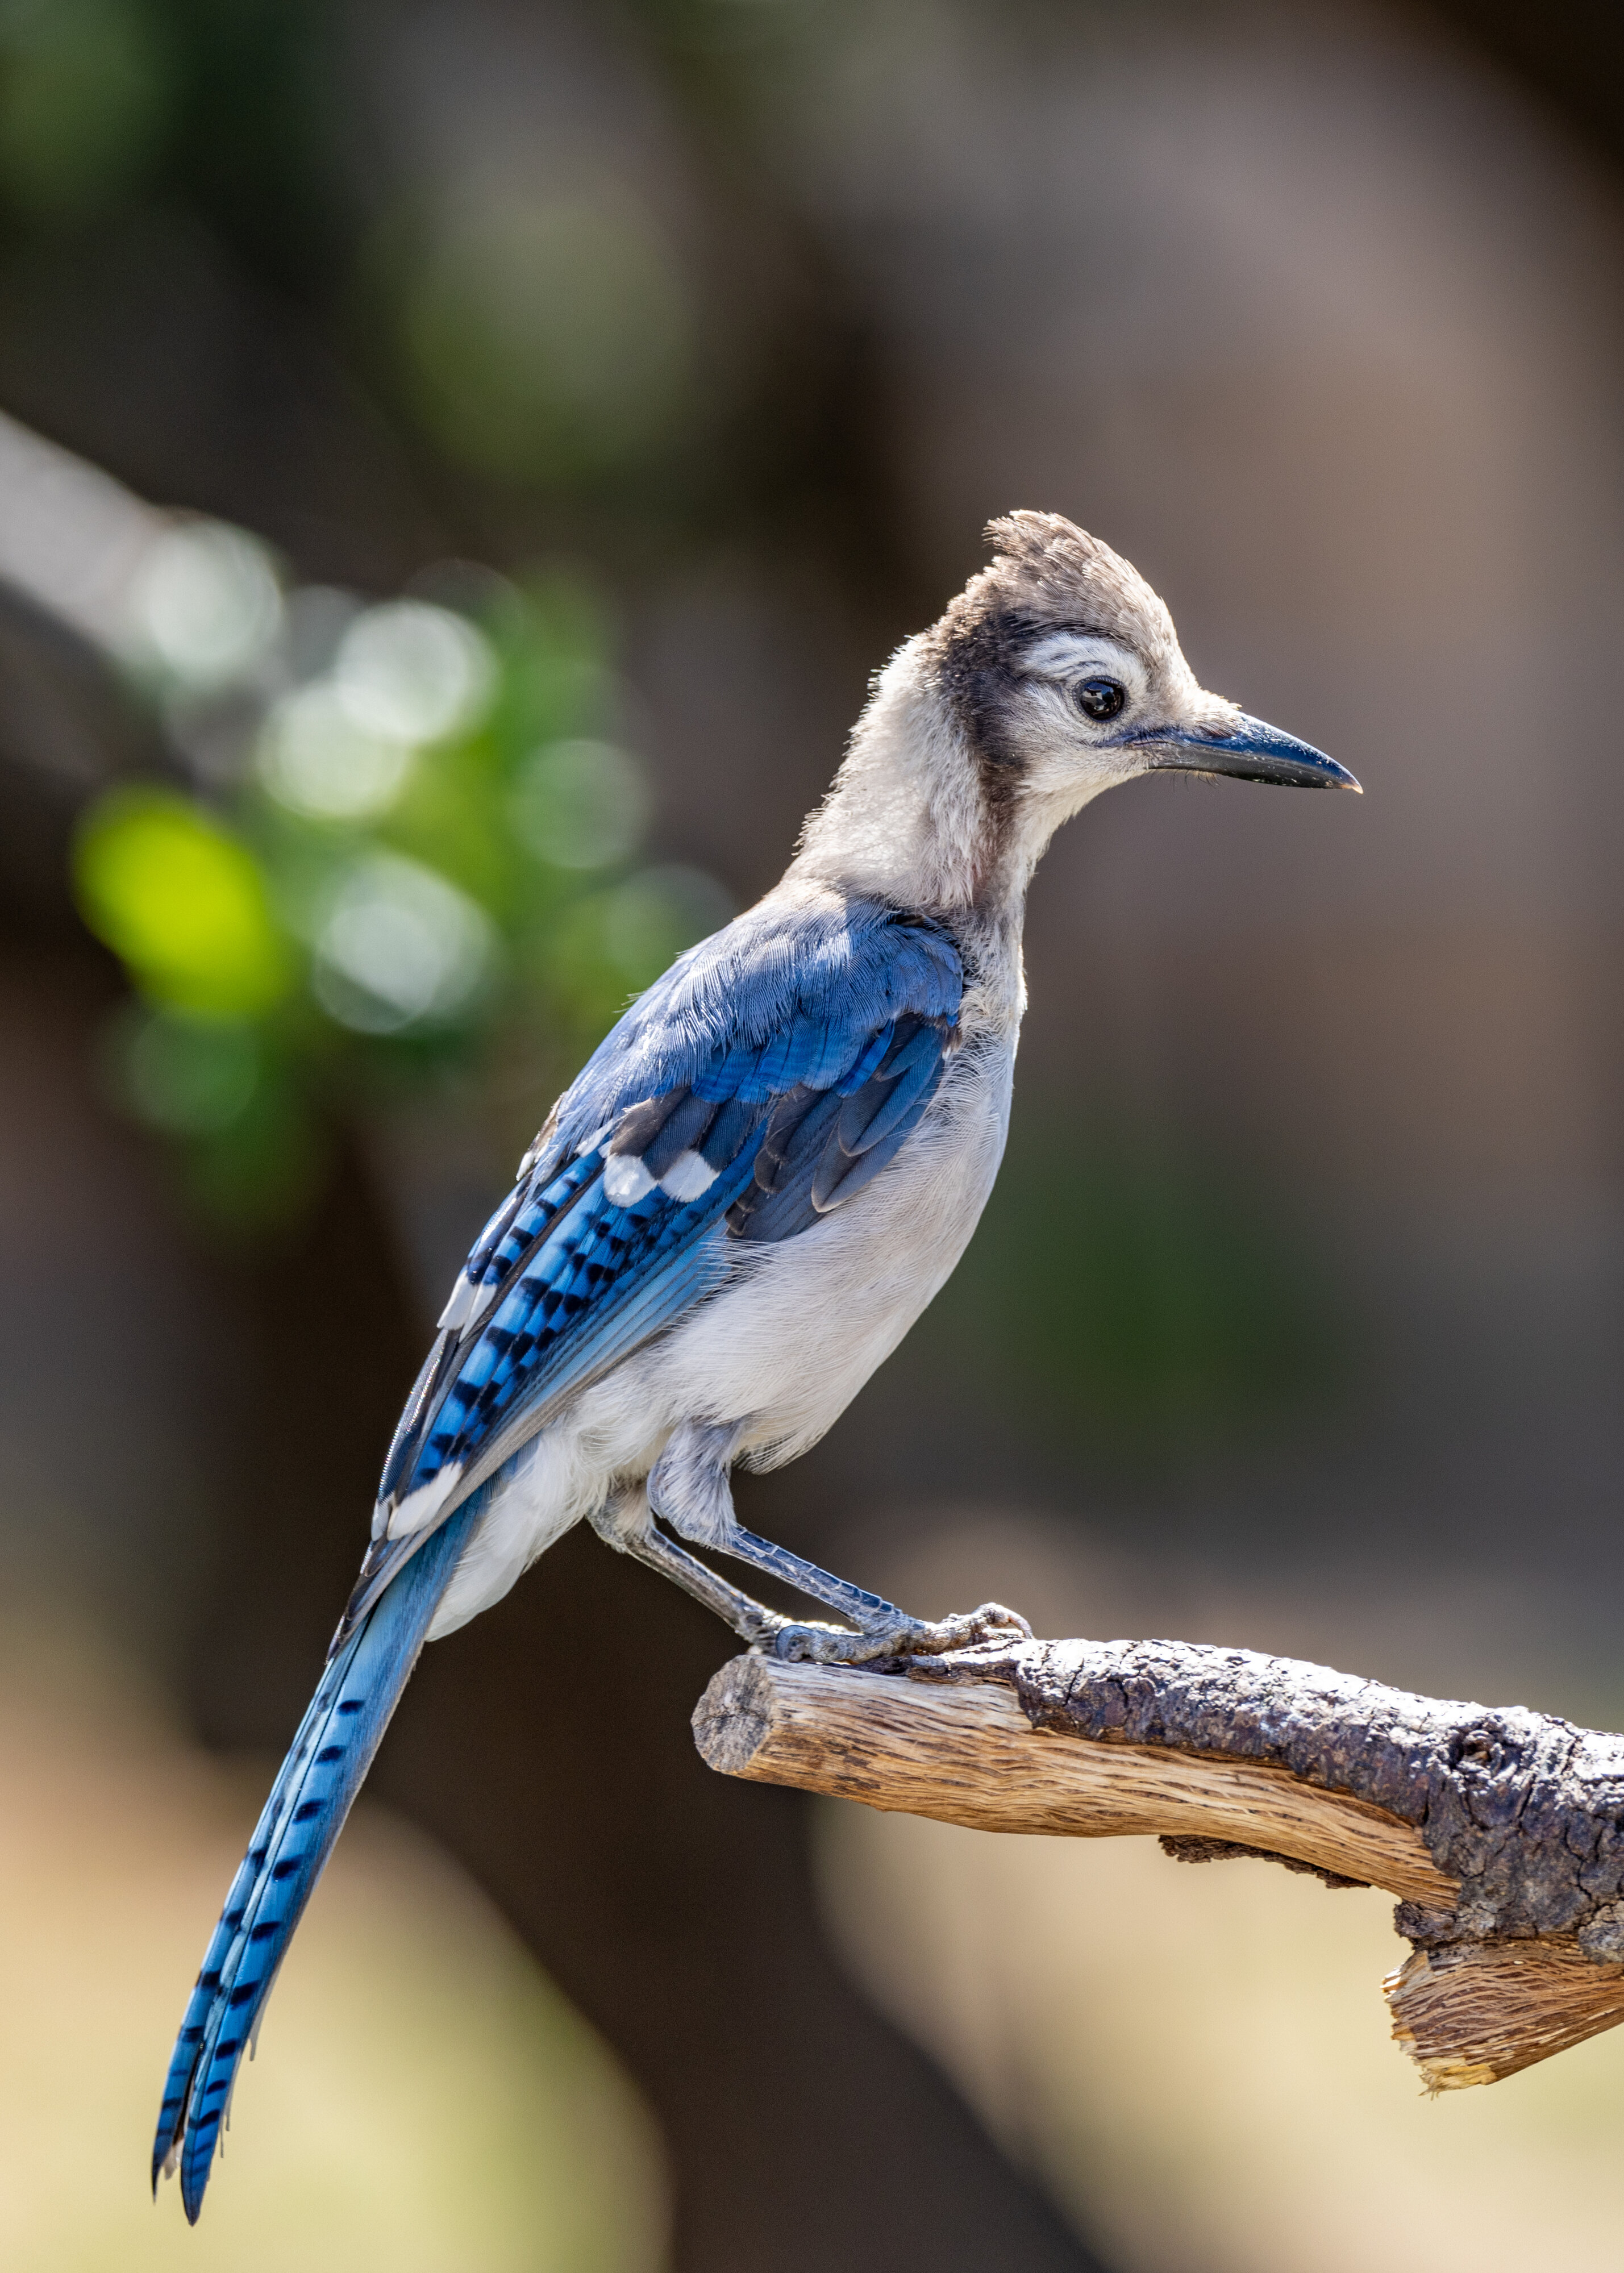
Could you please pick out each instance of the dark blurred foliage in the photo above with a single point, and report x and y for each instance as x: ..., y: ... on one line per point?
x: 524, y: 362
x: 235, y: 111
x: 1127, y: 1298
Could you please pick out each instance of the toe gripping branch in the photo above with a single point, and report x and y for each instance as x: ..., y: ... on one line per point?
x: 895, y: 1636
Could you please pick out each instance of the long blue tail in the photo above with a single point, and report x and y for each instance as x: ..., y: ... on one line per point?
x: 312, y: 1795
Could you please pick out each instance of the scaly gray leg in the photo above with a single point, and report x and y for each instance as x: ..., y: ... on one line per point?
x: 689, y: 1490
x: 627, y: 1525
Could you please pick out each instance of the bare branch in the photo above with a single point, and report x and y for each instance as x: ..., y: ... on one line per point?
x: 1502, y: 1831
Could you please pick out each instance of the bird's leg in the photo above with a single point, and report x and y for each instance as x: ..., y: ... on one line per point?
x: 689, y: 1490
x: 627, y: 1525
x: 882, y: 1629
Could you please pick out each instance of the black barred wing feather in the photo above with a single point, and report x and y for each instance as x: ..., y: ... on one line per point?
x: 600, y: 1280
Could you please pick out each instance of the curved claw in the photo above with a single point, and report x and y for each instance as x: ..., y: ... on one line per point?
x: 969, y: 1627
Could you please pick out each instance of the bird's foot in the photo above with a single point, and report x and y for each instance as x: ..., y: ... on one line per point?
x: 823, y: 1644
x: 805, y: 1640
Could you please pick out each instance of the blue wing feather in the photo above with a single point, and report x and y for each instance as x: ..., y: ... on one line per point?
x: 585, y: 1300
x: 816, y: 980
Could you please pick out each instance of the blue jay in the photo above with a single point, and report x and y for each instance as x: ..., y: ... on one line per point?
x: 754, y: 1187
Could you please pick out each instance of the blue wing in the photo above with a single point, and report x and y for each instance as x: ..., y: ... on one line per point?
x: 764, y: 1081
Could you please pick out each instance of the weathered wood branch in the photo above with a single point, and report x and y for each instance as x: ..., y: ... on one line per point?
x: 1500, y: 1831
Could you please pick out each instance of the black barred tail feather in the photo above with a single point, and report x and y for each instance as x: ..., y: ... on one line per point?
x: 313, y: 1793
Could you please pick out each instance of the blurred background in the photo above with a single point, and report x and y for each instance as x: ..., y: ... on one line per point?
x: 458, y: 468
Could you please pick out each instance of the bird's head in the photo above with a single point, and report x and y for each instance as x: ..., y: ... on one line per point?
x: 1055, y: 674
x: 1066, y: 675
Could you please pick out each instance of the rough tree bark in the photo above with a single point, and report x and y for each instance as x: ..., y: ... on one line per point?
x: 1502, y: 1831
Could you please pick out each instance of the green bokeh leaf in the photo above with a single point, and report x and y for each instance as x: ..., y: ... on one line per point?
x: 182, y: 901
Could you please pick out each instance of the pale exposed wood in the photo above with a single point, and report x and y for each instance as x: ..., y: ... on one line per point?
x: 1479, y: 2011
x: 1512, y: 1962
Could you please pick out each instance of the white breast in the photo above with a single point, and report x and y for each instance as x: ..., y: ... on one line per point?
x: 805, y: 1322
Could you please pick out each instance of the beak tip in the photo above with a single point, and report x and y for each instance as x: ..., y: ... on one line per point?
x: 1253, y: 751
x: 1294, y: 763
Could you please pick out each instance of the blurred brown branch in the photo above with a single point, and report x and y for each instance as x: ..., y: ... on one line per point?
x: 1500, y: 1830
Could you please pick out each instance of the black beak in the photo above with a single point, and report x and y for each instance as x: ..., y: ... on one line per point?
x: 1254, y: 752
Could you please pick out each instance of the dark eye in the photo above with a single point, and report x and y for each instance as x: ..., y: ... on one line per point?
x: 1099, y: 698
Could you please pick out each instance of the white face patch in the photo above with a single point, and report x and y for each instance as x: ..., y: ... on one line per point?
x: 1064, y: 657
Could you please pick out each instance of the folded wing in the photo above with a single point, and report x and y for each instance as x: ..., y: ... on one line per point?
x: 763, y: 1082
